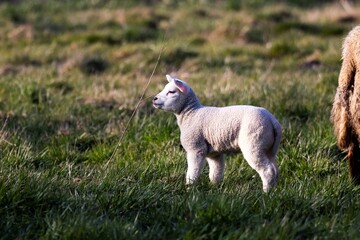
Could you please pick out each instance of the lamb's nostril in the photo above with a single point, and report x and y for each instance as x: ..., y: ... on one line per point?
x: 155, y: 98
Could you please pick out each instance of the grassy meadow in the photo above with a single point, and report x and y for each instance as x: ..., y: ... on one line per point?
x: 73, y: 72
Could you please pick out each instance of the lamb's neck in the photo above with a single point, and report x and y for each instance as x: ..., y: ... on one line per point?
x: 190, y: 108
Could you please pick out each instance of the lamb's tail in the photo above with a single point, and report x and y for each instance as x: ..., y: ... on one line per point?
x: 277, y: 135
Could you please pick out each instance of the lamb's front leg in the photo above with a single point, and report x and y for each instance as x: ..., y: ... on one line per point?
x: 195, y: 161
x: 216, y: 168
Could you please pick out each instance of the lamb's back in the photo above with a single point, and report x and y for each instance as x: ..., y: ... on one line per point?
x: 220, y: 127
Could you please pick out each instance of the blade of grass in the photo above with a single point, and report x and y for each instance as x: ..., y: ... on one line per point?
x: 136, y: 108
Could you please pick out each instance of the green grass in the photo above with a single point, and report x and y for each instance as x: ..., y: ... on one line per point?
x: 72, y: 73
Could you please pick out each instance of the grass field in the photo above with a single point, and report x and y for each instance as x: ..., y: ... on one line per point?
x: 72, y: 72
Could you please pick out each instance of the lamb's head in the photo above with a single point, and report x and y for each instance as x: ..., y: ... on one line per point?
x: 174, y: 96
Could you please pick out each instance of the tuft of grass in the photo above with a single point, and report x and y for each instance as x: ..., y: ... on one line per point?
x: 62, y: 86
x: 177, y: 56
x: 257, y: 34
x: 107, y: 39
x: 16, y: 15
x: 279, y: 16
x: 38, y: 96
x: 93, y: 65
x: 323, y: 30
x: 282, y: 48
x: 139, y: 34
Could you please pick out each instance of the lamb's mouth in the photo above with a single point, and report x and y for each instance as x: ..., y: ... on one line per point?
x: 157, y: 105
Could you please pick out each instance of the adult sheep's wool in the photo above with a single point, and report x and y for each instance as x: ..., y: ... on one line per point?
x: 345, y: 113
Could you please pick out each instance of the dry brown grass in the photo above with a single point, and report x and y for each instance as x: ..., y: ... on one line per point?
x: 330, y: 13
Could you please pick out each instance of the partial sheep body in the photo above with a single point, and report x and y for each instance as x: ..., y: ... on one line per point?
x: 209, y: 132
x: 345, y: 113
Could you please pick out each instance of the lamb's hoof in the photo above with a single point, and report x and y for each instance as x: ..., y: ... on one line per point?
x: 268, y: 189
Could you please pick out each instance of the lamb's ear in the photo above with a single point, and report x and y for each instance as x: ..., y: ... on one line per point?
x: 169, y: 78
x: 181, y: 86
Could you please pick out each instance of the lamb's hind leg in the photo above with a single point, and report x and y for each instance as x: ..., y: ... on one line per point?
x: 216, y: 168
x: 276, y: 167
x: 267, y: 170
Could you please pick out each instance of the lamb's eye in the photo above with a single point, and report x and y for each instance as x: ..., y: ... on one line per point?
x: 171, y: 92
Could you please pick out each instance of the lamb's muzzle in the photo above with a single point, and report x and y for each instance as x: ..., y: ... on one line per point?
x: 209, y: 132
x: 155, y: 104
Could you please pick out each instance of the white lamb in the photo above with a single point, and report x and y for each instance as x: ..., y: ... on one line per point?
x: 209, y: 132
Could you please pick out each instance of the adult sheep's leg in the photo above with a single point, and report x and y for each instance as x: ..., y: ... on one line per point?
x: 216, y: 168
x: 354, y: 161
x: 195, y: 163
